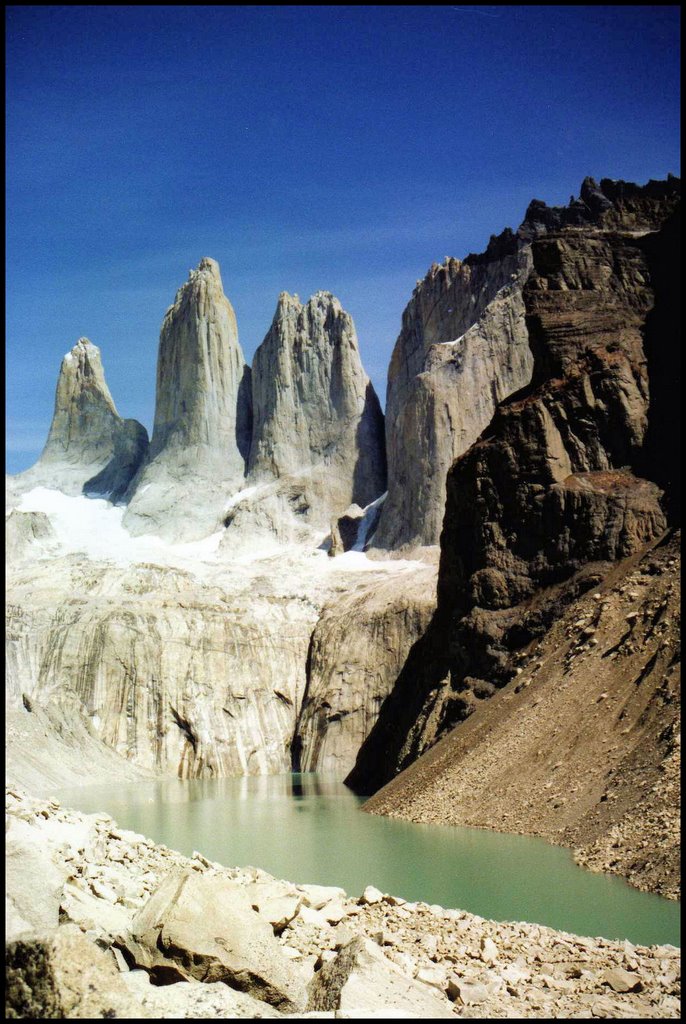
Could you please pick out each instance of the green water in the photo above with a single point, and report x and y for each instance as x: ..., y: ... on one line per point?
x: 307, y: 828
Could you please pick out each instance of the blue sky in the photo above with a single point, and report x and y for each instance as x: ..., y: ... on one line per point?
x: 304, y: 148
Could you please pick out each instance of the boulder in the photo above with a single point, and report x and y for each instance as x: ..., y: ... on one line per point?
x: 202, y: 926
x: 361, y: 978
x: 64, y: 975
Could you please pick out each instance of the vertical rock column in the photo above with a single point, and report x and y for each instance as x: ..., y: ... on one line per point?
x: 201, y: 436
x: 90, y: 448
x: 462, y: 348
x: 316, y: 415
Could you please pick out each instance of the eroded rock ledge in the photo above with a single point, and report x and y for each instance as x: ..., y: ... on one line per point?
x: 105, y: 913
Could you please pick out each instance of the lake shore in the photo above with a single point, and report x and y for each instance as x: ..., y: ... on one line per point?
x: 78, y: 888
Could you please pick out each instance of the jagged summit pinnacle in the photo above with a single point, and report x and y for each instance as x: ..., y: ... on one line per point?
x: 206, y: 266
x: 90, y: 448
x: 201, y: 434
x: 314, y: 405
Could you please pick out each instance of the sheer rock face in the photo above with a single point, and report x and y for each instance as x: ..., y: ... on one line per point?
x: 559, y: 486
x: 316, y: 415
x: 90, y: 448
x: 358, y: 647
x: 170, y: 672
x: 462, y: 348
x: 201, y: 436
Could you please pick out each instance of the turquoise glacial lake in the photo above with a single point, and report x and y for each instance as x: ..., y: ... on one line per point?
x: 310, y: 828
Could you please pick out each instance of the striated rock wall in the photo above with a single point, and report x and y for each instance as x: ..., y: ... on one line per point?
x: 174, y: 674
x: 549, y: 496
x: 90, y: 448
x: 462, y: 348
x: 357, y: 649
x: 201, y: 436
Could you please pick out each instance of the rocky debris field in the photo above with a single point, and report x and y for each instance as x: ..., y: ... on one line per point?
x: 582, y: 747
x: 102, y: 922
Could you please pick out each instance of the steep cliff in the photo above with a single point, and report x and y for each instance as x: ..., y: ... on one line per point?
x: 462, y: 348
x: 201, y: 436
x: 173, y: 672
x: 318, y: 430
x: 358, y: 646
x: 551, y: 494
x: 90, y: 448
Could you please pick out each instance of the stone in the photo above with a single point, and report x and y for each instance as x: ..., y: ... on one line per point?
x: 309, y: 916
x: 620, y: 980
x: 469, y: 993
x: 318, y: 896
x: 433, y: 976
x: 315, y: 409
x: 203, y: 416
x: 361, y: 978
x: 489, y: 950
x: 202, y: 926
x: 90, y: 449
x: 34, y: 884
x: 64, y: 975
x: 370, y: 896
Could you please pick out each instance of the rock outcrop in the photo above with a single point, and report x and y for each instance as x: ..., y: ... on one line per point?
x: 463, y: 347
x: 358, y: 647
x: 559, y: 486
x: 90, y: 448
x: 318, y: 430
x: 201, y: 436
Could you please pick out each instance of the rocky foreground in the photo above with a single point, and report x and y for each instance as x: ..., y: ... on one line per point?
x: 102, y: 922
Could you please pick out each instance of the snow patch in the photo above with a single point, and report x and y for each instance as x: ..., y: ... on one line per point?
x: 94, y: 526
x: 367, y: 520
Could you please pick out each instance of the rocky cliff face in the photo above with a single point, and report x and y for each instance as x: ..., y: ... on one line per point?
x: 90, y: 448
x: 318, y: 435
x: 174, y: 674
x: 201, y: 436
x: 197, y: 666
x: 358, y: 646
x: 551, y: 493
x: 462, y: 348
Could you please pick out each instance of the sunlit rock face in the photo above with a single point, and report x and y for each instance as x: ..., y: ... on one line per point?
x: 201, y: 436
x: 463, y: 347
x: 318, y: 435
x: 174, y: 674
x: 90, y: 448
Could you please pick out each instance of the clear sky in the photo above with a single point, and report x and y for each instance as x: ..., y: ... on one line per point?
x: 304, y: 148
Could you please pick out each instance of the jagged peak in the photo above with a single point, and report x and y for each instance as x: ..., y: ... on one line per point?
x: 204, y: 279
x: 206, y: 267
x: 84, y: 346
